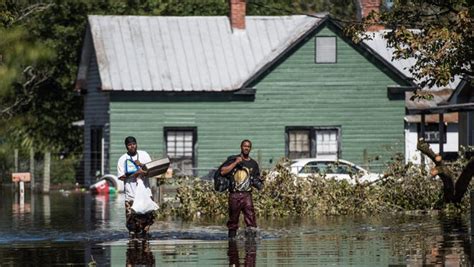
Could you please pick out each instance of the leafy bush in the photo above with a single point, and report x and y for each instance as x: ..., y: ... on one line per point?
x: 404, y: 187
x: 63, y: 170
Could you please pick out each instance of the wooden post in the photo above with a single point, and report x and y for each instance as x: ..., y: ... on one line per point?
x: 422, y: 133
x: 366, y: 159
x: 32, y: 168
x: 441, y: 134
x: 15, y: 156
x: 160, y: 194
x: 259, y: 157
x: 47, y: 172
x: 16, y: 159
x: 22, y: 196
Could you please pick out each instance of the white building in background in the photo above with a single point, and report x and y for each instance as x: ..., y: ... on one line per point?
x: 441, y: 95
x: 432, y: 133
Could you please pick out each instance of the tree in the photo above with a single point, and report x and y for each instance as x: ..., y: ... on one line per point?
x: 439, y: 35
x: 20, y: 57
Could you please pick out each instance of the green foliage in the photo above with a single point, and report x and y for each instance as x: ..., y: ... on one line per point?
x: 6, y: 163
x: 405, y: 187
x: 63, y: 170
x: 442, y: 42
x: 408, y: 187
x: 20, y: 56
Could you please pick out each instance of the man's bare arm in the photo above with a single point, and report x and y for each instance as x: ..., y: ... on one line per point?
x: 226, y: 169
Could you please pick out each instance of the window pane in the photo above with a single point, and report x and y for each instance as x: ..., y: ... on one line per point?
x: 298, y: 144
x: 180, y: 150
x: 326, y: 142
x: 432, y: 133
x: 325, y: 49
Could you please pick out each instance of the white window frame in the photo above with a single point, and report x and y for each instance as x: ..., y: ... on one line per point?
x: 182, y: 155
x: 313, y: 142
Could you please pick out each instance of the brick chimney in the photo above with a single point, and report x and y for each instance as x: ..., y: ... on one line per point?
x: 237, y: 14
x: 364, y: 7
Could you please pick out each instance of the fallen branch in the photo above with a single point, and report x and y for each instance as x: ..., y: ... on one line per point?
x: 453, y: 191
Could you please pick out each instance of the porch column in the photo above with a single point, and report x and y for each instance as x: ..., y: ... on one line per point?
x: 441, y: 134
x: 422, y: 132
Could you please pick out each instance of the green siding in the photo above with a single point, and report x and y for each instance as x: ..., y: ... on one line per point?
x: 351, y: 93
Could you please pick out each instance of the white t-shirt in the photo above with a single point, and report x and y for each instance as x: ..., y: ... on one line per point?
x: 131, y: 182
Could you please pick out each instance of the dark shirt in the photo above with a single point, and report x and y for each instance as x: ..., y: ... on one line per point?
x: 245, y: 175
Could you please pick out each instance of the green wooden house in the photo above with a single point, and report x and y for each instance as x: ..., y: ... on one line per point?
x: 192, y: 88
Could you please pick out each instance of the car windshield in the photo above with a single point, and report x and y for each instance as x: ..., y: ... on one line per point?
x: 323, y: 167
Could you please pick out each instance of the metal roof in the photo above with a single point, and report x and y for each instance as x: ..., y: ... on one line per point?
x: 379, y: 44
x: 150, y: 53
x: 438, y: 98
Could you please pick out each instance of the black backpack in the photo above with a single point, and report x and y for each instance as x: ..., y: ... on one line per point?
x: 222, y: 183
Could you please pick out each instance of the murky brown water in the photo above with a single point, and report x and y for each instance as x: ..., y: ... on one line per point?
x: 72, y: 228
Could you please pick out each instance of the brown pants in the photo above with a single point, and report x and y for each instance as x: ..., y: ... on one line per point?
x: 138, y: 223
x: 241, y: 201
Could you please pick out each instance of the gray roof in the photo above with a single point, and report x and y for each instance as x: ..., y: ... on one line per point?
x: 378, y: 43
x: 145, y: 53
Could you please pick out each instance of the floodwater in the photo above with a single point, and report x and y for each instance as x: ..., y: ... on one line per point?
x: 74, y: 228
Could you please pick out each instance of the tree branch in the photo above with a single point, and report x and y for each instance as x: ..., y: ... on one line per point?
x: 463, y: 182
x: 30, y: 10
x: 440, y: 169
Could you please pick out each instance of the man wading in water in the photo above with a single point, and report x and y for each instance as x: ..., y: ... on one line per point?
x: 129, y: 170
x: 243, y: 173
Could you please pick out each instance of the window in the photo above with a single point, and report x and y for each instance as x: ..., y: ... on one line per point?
x: 314, y: 168
x: 432, y: 133
x: 96, y: 153
x: 329, y: 167
x: 181, y: 149
x: 310, y: 142
x: 326, y: 142
x: 298, y: 144
x: 325, y: 49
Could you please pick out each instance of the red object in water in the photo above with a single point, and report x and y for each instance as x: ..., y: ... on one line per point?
x: 101, y: 187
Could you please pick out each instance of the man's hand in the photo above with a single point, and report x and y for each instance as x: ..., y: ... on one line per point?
x: 226, y: 169
x: 139, y: 173
x: 138, y: 163
x: 238, y: 160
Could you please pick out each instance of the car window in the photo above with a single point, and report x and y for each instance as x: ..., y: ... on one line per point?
x: 323, y: 167
x: 314, y: 167
x: 344, y: 169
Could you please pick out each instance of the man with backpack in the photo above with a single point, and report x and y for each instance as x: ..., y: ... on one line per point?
x: 242, y: 173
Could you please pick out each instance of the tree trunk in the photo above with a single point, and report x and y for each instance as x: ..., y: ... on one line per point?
x: 453, y: 190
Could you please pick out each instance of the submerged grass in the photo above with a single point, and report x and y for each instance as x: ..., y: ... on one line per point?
x: 404, y: 188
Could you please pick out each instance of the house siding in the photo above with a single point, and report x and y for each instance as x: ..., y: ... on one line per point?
x: 351, y: 93
x: 96, y: 107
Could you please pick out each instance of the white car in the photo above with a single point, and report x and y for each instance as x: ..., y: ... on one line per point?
x: 331, y: 168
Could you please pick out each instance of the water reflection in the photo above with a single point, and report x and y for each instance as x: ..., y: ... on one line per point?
x: 139, y: 253
x: 453, y: 247
x: 64, y: 228
x: 250, y: 258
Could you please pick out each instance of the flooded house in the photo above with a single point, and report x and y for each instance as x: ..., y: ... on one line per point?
x: 191, y: 88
